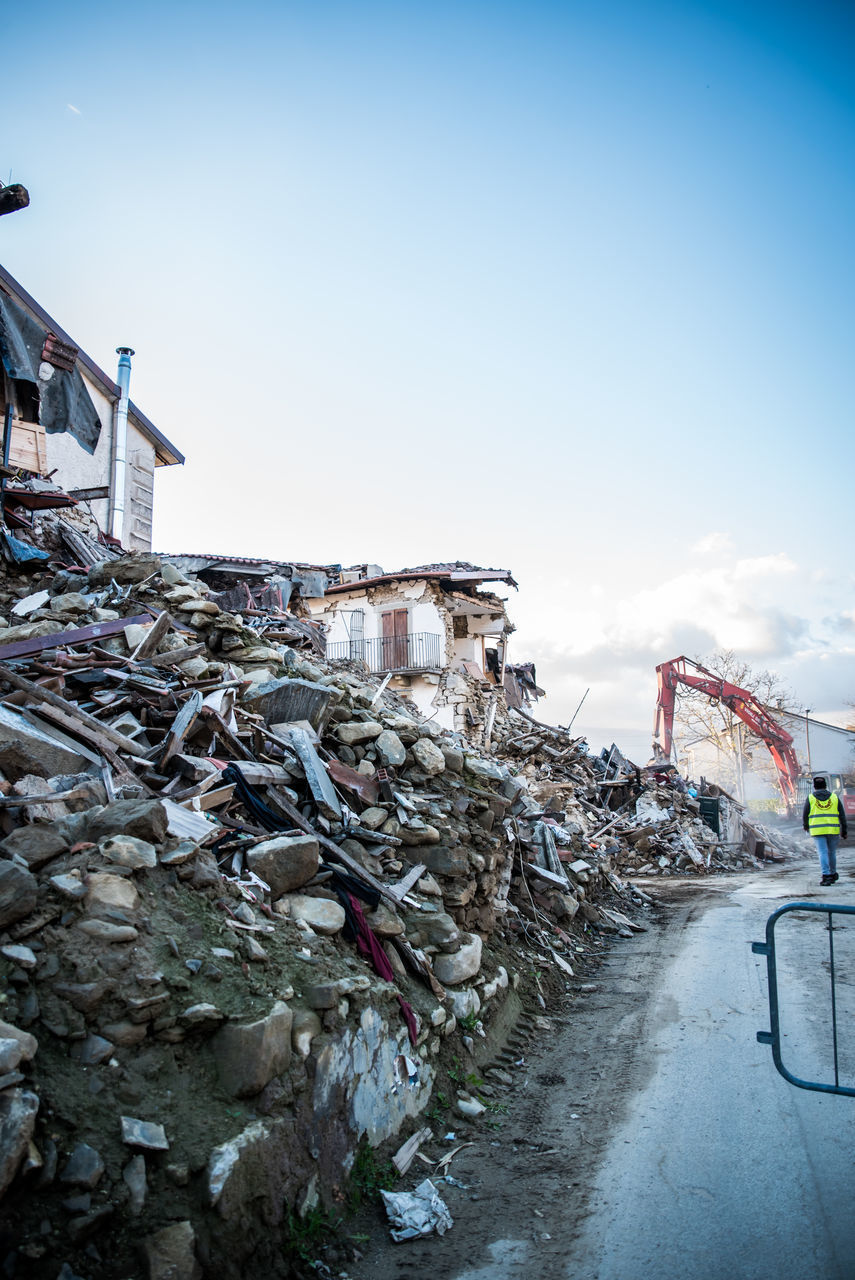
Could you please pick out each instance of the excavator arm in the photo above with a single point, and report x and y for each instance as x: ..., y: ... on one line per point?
x: 740, y: 701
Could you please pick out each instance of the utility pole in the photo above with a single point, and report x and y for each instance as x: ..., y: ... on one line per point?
x: 807, y: 736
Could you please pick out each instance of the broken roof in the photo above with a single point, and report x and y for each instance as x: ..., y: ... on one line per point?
x: 166, y: 453
x: 191, y: 562
x: 458, y: 571
x: 457, y: 603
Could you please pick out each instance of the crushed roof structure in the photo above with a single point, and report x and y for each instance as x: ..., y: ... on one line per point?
x: 458, y: 571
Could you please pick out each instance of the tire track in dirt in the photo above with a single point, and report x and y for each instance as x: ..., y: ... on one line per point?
x: 525, y: 1185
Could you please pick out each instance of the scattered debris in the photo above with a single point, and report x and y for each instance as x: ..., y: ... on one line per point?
x: 237, y: 880
x: 417, y: 1213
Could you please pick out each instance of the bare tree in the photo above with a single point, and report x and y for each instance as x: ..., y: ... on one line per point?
x: 706, y: 729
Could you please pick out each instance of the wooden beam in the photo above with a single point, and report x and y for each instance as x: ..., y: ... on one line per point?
x: 91, y: 494
x: 76, y: 717
x: 174, y: 656
x: 97, y: 737
x: 149, y: 642
x: 403, y: 887
x: 61, y: 639
x: 180, y: 727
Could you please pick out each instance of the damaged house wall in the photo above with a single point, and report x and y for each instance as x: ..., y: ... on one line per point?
x: 430, y: 636
x: 63, y: 410
x: 417, y: 643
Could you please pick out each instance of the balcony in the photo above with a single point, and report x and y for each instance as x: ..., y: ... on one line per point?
x: 417, y: 651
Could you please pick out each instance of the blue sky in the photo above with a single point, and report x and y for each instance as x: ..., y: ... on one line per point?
x: 566, y: 289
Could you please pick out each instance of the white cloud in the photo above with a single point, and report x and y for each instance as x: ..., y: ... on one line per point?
x: 712, y: 544
x: 765, y: 607
x: 72, y: 107
x: 765, y: 566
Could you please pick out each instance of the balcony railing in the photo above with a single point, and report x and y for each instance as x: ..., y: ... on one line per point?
x: 418, y: 651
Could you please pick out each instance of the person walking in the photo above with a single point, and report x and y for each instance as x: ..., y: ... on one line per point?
x: 824, y: 818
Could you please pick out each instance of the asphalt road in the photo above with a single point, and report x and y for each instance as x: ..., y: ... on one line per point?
x: 720, y: 1168
x: 648, y: 1135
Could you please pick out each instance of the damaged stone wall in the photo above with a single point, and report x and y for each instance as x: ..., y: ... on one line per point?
x: 455, y: 698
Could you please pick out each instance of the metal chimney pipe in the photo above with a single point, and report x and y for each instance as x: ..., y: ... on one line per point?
x: 120, y: 445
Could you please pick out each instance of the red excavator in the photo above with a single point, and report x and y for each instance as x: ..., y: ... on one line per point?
x: 740, y: 701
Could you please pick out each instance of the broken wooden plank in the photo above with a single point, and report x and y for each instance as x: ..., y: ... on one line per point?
x: 62, y: 639
x: 40, y: 694
x: 176, y: 656
x: 149, y: 642
x: 215, y: 797
x: 418, y: 964
x: 90, y: 494
x: 196, y: 768
x: 562, y: 963
x: 199, y: 787
x: 405, y: 1155
x: 180, y: 727
x: 596, y: 834
x: 30, y: 789
x: 339, y: 855
x: 218, y: 724
x: 373, y: 837
x: 142, y: 683
x: 16, y: 802
x: 249, y: 928
x: 81, y: 729
x: 117, y: 778
x: 403, y: 887
x: 622, y: 921
x: 446, y: 1160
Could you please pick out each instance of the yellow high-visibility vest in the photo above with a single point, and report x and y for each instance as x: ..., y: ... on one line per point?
x: 824, y: 816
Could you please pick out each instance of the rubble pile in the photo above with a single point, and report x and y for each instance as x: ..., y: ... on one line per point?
x: 607, y: 806
x: 247, y: 897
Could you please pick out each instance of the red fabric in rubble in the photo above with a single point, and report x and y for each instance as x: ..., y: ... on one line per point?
x: 368, y: 944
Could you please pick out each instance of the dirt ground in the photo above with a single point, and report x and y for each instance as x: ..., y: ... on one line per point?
x: 528, y: 1171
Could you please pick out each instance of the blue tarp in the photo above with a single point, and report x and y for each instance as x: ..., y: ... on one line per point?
x: 21, y: 552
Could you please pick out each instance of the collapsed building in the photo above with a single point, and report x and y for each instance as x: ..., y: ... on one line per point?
x: 251, y: 898
x: 277, y: 842
x: 425, y: 631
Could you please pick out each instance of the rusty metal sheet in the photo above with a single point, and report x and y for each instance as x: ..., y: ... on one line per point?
x: 80, y: 635
x: 366, y: 788
x: 41, y: 501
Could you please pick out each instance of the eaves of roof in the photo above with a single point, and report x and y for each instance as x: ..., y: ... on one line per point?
x: 442, y: 575
x: 204, y: 561
x: 491, y: 605
x: 798, y: 719
x: 166, y: 452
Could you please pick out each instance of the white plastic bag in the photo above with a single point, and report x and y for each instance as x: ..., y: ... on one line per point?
x: 416, y: 1213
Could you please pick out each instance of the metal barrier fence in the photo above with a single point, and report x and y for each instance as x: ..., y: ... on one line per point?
x: 416, y: 651
x: 773, y: 1037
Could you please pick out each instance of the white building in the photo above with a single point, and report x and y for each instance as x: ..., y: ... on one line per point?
x: 440, y: 639
x: 821, y: 748
x: 63, y: 416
